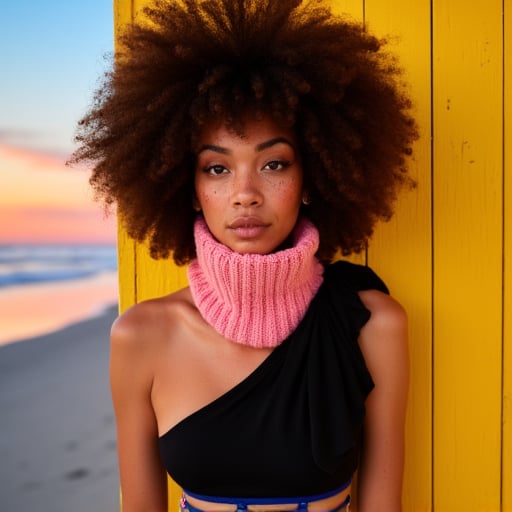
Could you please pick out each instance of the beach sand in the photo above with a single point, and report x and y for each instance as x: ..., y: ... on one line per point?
x: 57, y: 431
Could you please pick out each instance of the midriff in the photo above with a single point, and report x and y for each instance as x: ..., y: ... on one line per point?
x: 313, y: 506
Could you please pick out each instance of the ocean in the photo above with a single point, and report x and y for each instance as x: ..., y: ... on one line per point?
x: 30, y: 264
x: 44, y: 288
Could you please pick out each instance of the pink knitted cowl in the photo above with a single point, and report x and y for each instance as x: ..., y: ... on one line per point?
x: 254, y: 299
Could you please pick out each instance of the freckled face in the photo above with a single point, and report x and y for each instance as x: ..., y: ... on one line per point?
x: 249, y: 188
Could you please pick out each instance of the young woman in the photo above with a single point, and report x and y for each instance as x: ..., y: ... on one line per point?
x: 255, y: 140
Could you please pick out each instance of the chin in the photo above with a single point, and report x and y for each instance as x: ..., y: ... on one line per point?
x: 250, y: 248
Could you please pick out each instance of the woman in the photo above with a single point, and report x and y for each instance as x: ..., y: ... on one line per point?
x: 254, y: 140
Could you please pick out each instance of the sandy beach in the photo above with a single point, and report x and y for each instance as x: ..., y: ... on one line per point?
x: 57, y: 432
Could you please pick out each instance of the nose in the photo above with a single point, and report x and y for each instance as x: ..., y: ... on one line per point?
x: 246, y: 190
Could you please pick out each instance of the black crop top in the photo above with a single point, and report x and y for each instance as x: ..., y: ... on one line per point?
x: 292, y: 427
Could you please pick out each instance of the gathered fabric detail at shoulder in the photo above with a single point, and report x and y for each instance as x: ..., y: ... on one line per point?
x: 255, y: 299
x: 337, y: 397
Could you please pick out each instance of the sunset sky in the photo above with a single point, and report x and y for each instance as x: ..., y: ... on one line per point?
x: 51, y: 56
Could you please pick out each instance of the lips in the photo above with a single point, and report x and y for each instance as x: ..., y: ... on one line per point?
x: 247, y: 222
x: 248, y: 227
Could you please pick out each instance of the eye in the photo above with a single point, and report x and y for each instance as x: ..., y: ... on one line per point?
x: 215, y: 170
x: 277, y: 165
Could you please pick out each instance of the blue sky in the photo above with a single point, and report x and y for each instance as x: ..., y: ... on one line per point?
x: 51, y: 56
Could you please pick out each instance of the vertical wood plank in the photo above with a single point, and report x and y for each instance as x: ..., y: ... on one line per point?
x: 353, y: 8
x: 506, y: 477
x: 127, y: 265
x: 467, y: 254
x: 137, y: 5
x: 140, y: 277
x: 400, y: 250
x: 126, y: 252
x: 157, y: 278
x: 123, y: 14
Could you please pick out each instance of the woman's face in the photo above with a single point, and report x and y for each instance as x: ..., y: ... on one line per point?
x: 249, y: 188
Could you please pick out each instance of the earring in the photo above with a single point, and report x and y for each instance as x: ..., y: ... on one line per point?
x: 306, y: 200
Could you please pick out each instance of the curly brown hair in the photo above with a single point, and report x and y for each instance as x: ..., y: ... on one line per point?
x: 190, y: 61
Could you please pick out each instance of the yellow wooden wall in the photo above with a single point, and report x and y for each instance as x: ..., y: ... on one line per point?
x: 447, y: 253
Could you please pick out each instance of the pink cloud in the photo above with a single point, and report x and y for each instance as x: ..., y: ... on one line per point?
x: 40, y: 225
x: 41, y: 200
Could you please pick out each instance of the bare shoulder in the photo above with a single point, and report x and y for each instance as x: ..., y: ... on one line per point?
x: 383, y: 340
x: 144, y: 332
x: 151, y: 319
x: 140, y: 336
x: 386, y: 312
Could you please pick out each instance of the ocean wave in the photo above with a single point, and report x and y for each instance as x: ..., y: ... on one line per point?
x: 29, y: 264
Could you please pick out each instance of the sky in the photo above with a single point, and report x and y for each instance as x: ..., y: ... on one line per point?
x: 52, y: 54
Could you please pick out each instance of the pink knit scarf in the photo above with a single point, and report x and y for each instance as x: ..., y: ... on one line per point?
x: 254, y: 299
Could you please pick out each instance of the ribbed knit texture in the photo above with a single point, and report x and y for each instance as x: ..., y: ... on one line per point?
x: 255, y: 299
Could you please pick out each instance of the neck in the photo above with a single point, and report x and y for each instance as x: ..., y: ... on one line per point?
x: 255, y: 299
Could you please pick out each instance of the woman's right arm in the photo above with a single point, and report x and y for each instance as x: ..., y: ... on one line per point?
x: 143, y: 479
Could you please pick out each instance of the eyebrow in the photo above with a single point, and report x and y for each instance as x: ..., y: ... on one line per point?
x: 273, y: 142
x: 260, y: 147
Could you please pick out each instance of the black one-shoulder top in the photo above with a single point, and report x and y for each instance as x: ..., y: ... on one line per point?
x: 292, y: 427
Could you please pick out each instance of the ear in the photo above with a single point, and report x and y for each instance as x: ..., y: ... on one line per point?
x: 195, y: 204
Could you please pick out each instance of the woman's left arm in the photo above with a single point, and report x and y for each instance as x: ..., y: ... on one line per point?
x: 383, y: 341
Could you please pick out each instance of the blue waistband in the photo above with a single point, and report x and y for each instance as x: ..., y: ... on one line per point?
x: 267, y: 501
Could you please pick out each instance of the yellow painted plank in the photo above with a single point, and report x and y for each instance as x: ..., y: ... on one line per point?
x: 157, y: 278
x: 126, y: 256
x: 140, y: 277
x: 122, y: 15
x: 137, y: 6
x: 154, y: 279
x: 127, y: 264
x: 352, y: 8
x: 125, y: 246
x: 400, y: 250
x: 467, y: 58
x: 506, y: 477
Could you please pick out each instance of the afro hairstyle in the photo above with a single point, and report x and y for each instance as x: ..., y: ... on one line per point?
x: 189, y: 62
